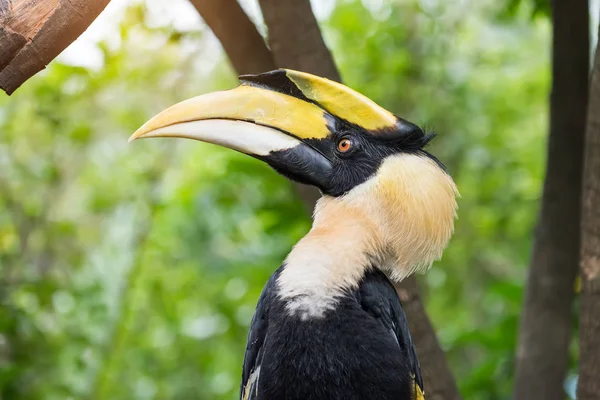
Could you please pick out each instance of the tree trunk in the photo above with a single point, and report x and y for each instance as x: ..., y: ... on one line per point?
x: 546, y: 322
x: 242, y: 43
x: 295, y: 38
x: 296, y: 42
x: 33, y: 33
x: 437, y: 377
x: 589, y: 364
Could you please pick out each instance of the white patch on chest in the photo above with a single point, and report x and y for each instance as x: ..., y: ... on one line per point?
x: 308, y: 285
x: 329, y: 261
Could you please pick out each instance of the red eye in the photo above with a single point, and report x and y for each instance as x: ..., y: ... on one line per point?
x: 344, y: 145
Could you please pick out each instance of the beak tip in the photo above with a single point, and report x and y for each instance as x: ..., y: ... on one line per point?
x: 136, y: 135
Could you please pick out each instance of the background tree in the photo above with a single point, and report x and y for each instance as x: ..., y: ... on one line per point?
x: 589, y: 387
x: 547, y: 318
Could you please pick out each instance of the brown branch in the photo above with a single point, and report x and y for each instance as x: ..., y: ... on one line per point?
x: 589, y: 362
x: 438, y: 379
x: 241, y: 41
x: 296, y: 42
x: 33, y: 33
x: 295, y: 38
x: 546, y: 322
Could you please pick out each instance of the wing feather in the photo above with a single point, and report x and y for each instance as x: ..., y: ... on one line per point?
x: 379, y: 298
x: 256, y: 338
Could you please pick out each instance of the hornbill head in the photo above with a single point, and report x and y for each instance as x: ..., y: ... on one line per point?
x: 369, y: 164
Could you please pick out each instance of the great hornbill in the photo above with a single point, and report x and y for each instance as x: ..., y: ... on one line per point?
x: 329, y: 324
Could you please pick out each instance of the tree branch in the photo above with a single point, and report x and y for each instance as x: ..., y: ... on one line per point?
x: 33, y: 33
x: 546, y: 321
x: 439, y: 382
x: 239, y: 37
x: 589, y: 361
x: 295, y: 38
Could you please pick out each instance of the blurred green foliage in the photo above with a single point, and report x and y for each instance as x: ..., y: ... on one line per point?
x: 132, y: 271
x: 535, y: 8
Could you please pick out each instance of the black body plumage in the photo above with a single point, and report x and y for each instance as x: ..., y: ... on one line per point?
x: 360, y: 350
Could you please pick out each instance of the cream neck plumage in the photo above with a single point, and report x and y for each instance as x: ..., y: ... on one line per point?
x: 400, y: 220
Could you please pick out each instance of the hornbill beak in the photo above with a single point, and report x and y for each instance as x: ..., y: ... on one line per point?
x: 283, y: 117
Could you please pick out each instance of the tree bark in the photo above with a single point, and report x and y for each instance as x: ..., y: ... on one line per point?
x: 437, y: 377
x: 295, y: 38
x: 589, y: 363
x: 546, y: 321
x: 240, y: 39
x: 33, y: 33
x: 296, y: 42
